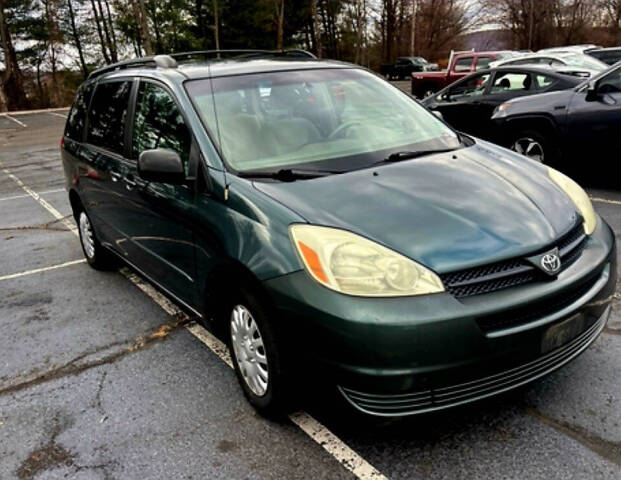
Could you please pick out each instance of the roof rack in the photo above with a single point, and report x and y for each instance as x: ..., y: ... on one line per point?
x: 170, y: 61
x: 162, y: 61
x: 243, y: 53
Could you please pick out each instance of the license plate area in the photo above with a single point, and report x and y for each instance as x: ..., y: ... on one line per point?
x: 562, y: 333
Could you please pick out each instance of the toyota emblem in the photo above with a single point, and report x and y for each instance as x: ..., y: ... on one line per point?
x: 551, y: 262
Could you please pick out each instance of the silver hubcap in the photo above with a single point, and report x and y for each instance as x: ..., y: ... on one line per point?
x: 86, y: 234
x: 249, y: 350
x: 529, y: 147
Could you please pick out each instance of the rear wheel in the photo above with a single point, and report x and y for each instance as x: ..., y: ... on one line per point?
x: 256, y: 355
x: 96, y: 255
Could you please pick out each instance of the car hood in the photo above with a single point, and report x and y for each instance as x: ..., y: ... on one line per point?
x: 447, y: 211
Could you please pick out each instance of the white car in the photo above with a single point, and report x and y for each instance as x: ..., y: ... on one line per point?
x: 579, y: 63
x: 570, y: 48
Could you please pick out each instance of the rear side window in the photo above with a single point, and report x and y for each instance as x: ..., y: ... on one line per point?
x: 543, y: 81
x: 607, y: 57
x: 510, y: 81
x: 77, y: 117
x: 463, y: 64
x: 106, y: 128
x: 159, y: 123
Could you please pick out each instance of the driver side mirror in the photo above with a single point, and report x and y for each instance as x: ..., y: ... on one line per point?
x: 161, y: 165
x: 592, y: 94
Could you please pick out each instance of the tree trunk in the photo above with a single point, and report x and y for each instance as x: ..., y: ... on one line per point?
x: 143, y: 25
x: 216, y: 24
x: 112, y: 32
x: 54, y: 38
x: 76, y: 39
x: 13, y: 80
x: 281, y: 19
x: 104, y: 50
x: 316, y: 31
x: 104, y: 22
x: 413, y: 28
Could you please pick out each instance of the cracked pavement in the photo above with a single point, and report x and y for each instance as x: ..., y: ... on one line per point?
x: 98, y: 382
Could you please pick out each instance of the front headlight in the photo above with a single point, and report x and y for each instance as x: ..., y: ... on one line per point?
x: 578, y: 196
x: 351, y: 264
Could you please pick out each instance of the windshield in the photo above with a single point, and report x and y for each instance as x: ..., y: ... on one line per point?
x: 336, y: 119
x: 585, y: 61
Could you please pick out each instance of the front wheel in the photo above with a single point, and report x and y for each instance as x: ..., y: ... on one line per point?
x: 533, y: 145
x: 256, y: 355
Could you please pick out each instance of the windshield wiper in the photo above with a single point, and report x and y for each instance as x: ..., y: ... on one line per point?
x: 409, y: 154
x: 286, y: 174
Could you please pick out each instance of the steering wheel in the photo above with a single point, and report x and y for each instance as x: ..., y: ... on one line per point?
x: 342, y: 128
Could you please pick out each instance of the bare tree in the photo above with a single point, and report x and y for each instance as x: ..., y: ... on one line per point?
x: 143, y: 25
x: 280, y: 21
x: 13, y: 80
x: 76, y: 38
x: 216, y: 24
x: 358, y: 13
x: 316, y: 29
x: 413, y: 27
x: 535, y: 24
x: 612, y: 9
x: 104, y: 49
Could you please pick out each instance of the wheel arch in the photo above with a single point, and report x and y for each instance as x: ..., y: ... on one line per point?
x: 75, y: 201
x: 541, y: 123
x: 221, y: 283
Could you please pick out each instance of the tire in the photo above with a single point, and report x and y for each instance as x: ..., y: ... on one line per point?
x: 256, y: 355
x: 535, y: 146
x: 96, y: 255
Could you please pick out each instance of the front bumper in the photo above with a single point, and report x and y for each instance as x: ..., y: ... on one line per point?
x: 401, y: 356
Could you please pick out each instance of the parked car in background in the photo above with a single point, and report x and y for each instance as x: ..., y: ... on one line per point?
x: 467, y: 105
x: 404, y: 66
x: 577, y: 61
x: 570, y: 128
x: 609, y: 56
x: 330, y: 229
x: 460, y: 64
x: 570, y: 48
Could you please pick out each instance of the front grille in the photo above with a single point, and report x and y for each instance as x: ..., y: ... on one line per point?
x: 448, y: 396
x: 539, y: 309
x: 513, y: 272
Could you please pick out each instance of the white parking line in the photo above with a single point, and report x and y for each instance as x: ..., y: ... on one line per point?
x: 605, y: 200
x: 26, y: 195
x: 14, y: 119
x: 44, y: 203
x: 57, y: 114
x: 42, y: 269
x: 347, y: 457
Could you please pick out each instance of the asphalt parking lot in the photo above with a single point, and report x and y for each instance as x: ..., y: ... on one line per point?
x: 100, y: 377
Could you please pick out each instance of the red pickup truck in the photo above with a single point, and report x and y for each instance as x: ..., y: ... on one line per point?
x: 460, y: 64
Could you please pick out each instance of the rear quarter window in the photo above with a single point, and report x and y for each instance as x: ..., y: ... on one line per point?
x: 108, y: 112
x: 74, y: 128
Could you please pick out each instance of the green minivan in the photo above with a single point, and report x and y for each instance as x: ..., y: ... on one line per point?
x: 331, y: 229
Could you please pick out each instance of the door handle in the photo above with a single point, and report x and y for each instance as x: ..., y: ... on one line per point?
x: 129, y: 182
x: 115, y: 176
